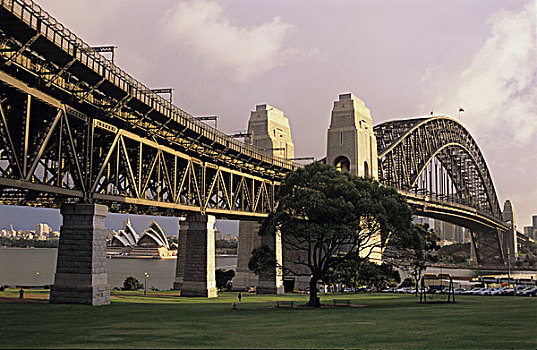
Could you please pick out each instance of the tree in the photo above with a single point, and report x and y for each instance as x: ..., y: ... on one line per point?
x: 417, y: 249
x: 223, y: 279
x: 378, y: 276
x: 454, y: 254
x: 361, y: 272
x: 132, y: 283
x: 262, y: 260
x: 327, y: 218
x: 408, y: 282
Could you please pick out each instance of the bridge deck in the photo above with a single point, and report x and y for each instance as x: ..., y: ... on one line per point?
x: 47, y: 50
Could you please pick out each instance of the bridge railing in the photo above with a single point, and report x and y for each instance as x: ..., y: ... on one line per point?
x: 38, y: 19
x: 453, y: 204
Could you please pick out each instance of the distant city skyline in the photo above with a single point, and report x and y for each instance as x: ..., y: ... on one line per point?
x: 25, y: 218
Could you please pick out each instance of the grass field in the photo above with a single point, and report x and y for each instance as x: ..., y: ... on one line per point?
x: 164, y: 320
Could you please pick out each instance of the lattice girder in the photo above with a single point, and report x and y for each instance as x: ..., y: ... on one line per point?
x: 407, y: 147
x: 51, y: 153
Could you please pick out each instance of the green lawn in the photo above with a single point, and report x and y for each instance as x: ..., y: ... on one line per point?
x: 162, y: 319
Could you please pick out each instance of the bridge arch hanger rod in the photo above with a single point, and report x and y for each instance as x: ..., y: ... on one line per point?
x: 438, y: 151
x: 424, y: 121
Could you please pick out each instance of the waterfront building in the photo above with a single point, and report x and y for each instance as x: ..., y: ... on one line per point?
x: 126, y: 237
x: 229, y: 237
x: 151, y: 244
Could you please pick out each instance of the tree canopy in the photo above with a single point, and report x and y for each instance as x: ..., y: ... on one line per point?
x: 327, y: 217
x: 355, y: 274
x: 223, y: 279
x: 132, y: 283
x: 417, y: 249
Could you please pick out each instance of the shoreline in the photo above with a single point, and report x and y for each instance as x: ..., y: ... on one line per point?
x: 152, y: 257
x: 27, y: 248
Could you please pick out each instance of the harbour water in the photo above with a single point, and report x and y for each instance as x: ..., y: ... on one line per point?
x: 29, y: 267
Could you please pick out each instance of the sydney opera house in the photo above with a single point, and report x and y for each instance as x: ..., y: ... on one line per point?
x: 151, y: 244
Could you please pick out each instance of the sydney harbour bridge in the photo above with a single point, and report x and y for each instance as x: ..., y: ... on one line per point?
x: 80, y: 134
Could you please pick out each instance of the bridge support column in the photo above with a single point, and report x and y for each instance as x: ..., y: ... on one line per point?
x: 510, y: 244
x: 199, y: 265
x: 181, y: 252
x: 249, y: 239
x: 488, y: 248
x: 473, y: 251
x: 81, y: 276
x: 271, y: 282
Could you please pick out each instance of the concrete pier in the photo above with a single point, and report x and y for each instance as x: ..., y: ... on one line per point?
x: 81, y: 276
x: 181, y: 252
x: 197, y: 233
x: 271, y: 282
x: 249, y: 239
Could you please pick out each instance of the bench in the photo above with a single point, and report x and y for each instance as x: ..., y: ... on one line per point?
x: 284, y: 303
x: 345, y: 302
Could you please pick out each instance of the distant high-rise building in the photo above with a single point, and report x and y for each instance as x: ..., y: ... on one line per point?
x: 422, y: 220
x: 450, y: 233
x: 42, y: 229
x: 529, y: 231
x: 229, y: 237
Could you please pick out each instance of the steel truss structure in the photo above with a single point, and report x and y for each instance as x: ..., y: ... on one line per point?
x: 438, y: 166
x: 52, y: 153
x: 41, y: 52
x: 406, y: 147
x: 74, y: 127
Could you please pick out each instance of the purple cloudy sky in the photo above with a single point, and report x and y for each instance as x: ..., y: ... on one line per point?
x: 403, y: 58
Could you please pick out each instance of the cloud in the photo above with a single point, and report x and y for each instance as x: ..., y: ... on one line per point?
x: 498, y: 86
x: 220, y: 43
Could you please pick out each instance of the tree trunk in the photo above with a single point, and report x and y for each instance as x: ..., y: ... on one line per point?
x: 314, y: 300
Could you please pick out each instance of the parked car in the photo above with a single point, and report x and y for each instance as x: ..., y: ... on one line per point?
x: 435, y: 289
x: 499, y: 291
x: 489, y: 291
x: 467, y: 291
x: 521, y: 291
x: 459, y: 291
x: 530, y: 292
x: 477, y: 291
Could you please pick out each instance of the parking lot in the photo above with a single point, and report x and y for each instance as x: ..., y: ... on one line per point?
x: 526, y: 291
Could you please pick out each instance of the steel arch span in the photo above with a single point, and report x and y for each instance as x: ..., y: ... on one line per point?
x: 437, y: 164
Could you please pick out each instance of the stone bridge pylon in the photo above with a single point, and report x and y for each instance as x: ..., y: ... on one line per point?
x: 270, y: 131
